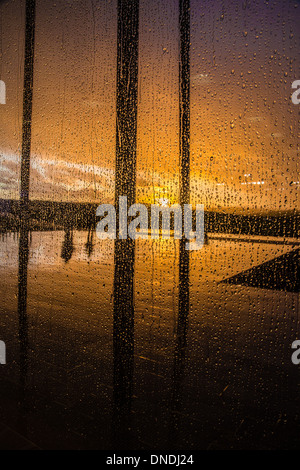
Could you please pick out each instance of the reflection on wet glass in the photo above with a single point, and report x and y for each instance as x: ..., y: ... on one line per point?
x: 141, y: 344
x: 125, y: 184
x: 89, y: 246
x: 184, y: 150
x: 67, y: 246
x: 123, y: 340
x: 22, y: 299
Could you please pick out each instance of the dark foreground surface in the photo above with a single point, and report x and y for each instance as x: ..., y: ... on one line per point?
x: 217, y: 375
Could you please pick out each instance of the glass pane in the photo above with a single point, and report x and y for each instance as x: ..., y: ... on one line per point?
x: 114, y: 335
x: 11, y: 94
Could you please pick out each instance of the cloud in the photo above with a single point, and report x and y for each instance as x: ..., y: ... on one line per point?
x: 56, y: 179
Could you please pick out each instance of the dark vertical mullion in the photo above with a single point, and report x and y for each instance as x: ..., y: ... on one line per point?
x: 184, y: 148
x: 184, y: 144
x: 184, y: 100
x: 22, y: 306
x: 125, y: 185
x: 27, y: 102
x: 24, y: 196
x: 127, y: 89
x: 184, y: 154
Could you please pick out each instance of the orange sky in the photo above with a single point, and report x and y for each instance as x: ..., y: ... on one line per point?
x: 244, y: 58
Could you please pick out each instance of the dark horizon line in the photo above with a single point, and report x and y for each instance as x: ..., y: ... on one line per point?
x: 213, y: 209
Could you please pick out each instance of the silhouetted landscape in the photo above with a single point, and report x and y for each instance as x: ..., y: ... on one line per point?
x: 49, y: 215
x: 136, y: 343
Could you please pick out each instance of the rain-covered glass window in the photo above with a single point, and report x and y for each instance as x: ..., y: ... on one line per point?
x: 149, y: 219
